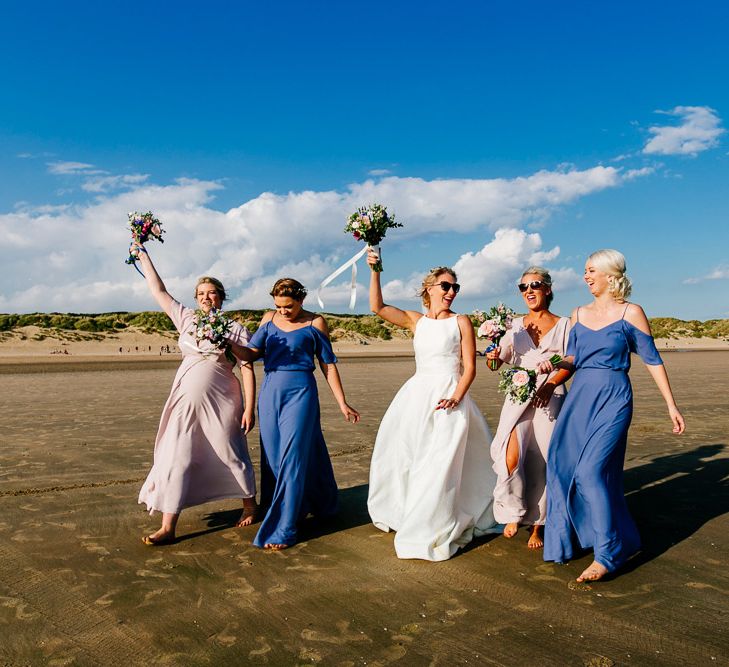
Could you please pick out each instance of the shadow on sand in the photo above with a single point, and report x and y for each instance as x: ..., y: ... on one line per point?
x: 352, y: 513
x: 671, y: 497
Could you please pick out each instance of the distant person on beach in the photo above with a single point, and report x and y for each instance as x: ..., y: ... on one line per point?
x: 586, y: 505
x: 200, y: 453
x: 430, y: 478
x: 519, y: 448
x: 296, y: 473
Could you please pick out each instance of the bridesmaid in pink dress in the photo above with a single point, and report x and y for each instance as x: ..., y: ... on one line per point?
x: 519, y: 448
x: 200, y: 453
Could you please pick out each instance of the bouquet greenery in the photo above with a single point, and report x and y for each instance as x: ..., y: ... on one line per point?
x: 370, y: 224
x: 520, y: 384
x: 494, y: 324
x: 213, y: 327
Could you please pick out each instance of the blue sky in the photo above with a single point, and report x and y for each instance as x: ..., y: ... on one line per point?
x: 499, y: 133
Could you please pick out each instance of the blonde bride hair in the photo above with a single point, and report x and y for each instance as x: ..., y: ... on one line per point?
x: 429, y: 281
x: 612, y: 262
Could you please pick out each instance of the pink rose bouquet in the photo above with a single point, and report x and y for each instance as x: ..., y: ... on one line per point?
x: 143, y: 227
x: 494, y: 324
x: 520, y: 384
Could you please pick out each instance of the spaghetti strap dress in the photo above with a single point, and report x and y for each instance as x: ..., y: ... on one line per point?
x: 430, y: 477
x: 296, y: 473
x: 200, y: 453
x: 586, y: 505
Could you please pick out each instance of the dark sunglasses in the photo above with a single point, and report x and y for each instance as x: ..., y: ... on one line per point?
x: 445, y: 286
x: 535, y: 284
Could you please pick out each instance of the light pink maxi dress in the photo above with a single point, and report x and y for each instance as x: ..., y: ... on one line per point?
x: 201, y: 453
x: 520, y: 497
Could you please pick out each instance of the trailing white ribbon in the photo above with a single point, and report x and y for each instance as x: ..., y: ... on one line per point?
x: 352, y: 261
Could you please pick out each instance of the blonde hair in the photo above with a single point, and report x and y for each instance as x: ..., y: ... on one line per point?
x: 612, y: 262
x: 212, y: 281
x: 429, y: 281
x: 289, y: 287
x: 546, y: 279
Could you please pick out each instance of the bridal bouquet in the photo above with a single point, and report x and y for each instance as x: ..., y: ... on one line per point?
x: 370, y: 224
x: 143, y: 226
x: 213, y: 327
x: 494, y: 324
x: 520, y: 384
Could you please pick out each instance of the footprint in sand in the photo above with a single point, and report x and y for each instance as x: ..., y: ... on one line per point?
x: 20, y: 608
x: 228, y: 635
x: 345, y: 635
x: 260, y: 654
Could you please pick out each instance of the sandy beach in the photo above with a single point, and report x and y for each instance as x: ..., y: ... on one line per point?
x: 77, y: 587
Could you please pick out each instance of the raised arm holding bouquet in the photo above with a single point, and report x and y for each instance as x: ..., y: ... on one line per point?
x: 431, y: 478
x: 368, y: 224
x: 200, y: 453
x: 144, y: 226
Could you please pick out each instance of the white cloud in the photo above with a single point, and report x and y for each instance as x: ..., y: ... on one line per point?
x: 106, y: 183
x: 65, y: 168
x: 299, y: 233
x: 496, y: 268
x: 699, y: 130
x: 719, y: 273
x: 378, y: 172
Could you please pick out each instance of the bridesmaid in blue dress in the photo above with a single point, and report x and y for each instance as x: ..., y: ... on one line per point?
x: 586, y: 505
x: 296, y: 473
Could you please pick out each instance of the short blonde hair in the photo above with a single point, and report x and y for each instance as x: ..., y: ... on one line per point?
x: 289, y: 287
x: 429, y: 281
x: 212, y: 281
x: 546, y: 279
x: 612, y: 262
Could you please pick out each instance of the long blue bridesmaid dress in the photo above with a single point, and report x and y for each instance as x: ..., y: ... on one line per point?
x: 296, y: 472
x: 586, y: 505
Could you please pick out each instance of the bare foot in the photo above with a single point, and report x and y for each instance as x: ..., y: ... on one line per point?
x: 247, y: 516
x: 511, y: 529
x: 159, y: 538
x: 594, y: 572
x: 535, y: 539
x: 275, y: 547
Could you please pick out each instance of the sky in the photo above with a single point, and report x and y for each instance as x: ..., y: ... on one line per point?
x: 500, y: 135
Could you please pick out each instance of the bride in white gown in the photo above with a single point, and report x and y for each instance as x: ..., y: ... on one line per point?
x: 431, y: 478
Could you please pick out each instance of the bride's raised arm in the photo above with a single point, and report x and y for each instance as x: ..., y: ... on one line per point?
x: 401, y: 318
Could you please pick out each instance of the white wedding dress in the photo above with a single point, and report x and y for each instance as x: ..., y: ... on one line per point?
x: 431, y: 477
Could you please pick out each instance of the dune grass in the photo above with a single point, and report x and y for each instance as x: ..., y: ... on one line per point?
x: 341, y: 325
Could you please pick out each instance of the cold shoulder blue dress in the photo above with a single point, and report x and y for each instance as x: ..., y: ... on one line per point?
x: 296, y: 472
x: 586, y: 505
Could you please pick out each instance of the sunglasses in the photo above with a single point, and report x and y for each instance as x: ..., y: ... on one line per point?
x: 445, y: 286
x: 535, y: 284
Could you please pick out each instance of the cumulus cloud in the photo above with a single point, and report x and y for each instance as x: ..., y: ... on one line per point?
x: 719, y: 273
x: 72, y: 258
x: 494, y: 269
x: 698, y: 131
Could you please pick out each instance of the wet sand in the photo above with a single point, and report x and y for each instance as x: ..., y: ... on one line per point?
x: 77, y: 587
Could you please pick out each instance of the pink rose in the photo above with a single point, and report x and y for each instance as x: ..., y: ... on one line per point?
x: 489, y: 330
x: 520, y: 379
